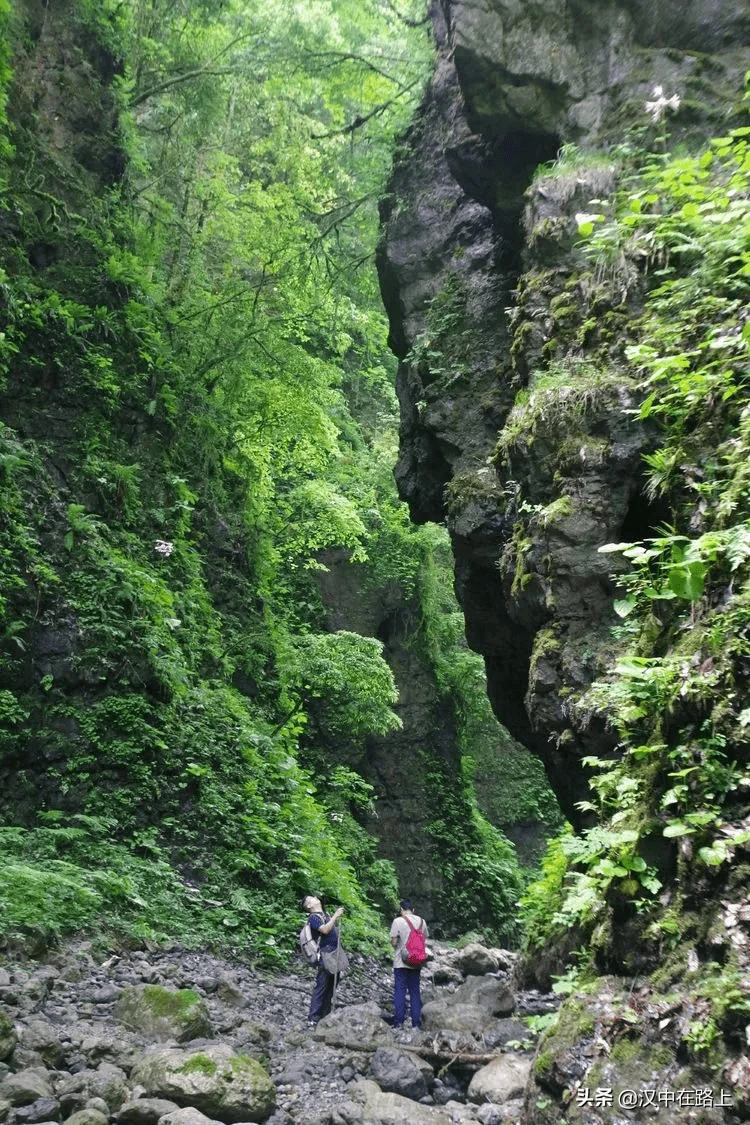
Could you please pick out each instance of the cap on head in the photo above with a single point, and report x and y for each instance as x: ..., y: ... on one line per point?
x: 406, y: 904
x: 309, y: 902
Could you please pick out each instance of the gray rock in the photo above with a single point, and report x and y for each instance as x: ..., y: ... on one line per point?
x: 106, y: 995
x: 97, y: 1103
x: 107, y: 1081
x: 397, y: 1072
x: 25, y: 1087
x: 43, y: 1109
x: 502, y: 1079
x: 505, y: 1031
x: 446, y: 1014
x: 87, y: 1117
x: 95, y: 1047
x: 164, y: 1013
x: 358, y: 1024
x: 367, y: 1104
x: 475, y: 960
x: 490, y: 994
x: 144, y: 1111
x: 228, y: 993
x: 43, y: 1038
x: 110, y: 1083
x: 188, y: 1115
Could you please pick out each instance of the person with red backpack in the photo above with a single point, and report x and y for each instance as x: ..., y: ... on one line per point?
x: 408, y: 934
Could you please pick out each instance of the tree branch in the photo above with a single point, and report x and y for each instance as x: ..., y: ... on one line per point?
x: 359, y: 121
x: 187, y: 76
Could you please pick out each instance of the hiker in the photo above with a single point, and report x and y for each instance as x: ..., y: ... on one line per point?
x: 329, y: 968
x: 406, y: 976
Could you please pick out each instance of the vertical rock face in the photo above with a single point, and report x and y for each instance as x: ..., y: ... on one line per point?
x: 485, y: 289
x: 393, y: 763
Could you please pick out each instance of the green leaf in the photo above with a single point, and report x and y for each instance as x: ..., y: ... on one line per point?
x: 678, y: 828
x: 623, y: 607
x: 687, y: 580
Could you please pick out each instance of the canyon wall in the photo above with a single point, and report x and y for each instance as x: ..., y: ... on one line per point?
x: 479, y: 272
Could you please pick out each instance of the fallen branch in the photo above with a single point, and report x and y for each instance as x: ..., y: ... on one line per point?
x: 430, y: 1054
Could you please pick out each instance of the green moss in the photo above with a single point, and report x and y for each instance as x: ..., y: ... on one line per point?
x: 543, y: 1064
x: 574, y: 1023
x: 470, y: 488
x: 199, y: 1064
x: 624, y: 1050
x: 170, y: 1002
x: 546, y: 646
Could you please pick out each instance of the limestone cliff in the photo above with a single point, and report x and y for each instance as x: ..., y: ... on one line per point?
x: 477, y: 268
x: 527, y: 428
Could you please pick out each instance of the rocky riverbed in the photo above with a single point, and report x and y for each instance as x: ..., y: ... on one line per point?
x: 178, y: 1037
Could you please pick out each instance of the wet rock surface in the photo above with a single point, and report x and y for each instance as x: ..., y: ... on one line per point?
x: 92, y: 1040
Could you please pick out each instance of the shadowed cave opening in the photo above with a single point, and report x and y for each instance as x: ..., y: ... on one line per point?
x: 644, y: 517
x: 497, y: 174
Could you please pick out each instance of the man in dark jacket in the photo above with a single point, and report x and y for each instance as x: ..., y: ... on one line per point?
x: 323, y: 926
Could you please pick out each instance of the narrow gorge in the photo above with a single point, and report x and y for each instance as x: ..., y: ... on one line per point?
x: 255, y: 261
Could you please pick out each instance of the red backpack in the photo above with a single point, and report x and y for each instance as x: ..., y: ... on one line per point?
x: 414, y: 953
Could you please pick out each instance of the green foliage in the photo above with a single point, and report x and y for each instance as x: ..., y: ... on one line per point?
x: 189, y: 353
x: 194, y: 351
x: 675, y: 233
x: 541, y: 901
x: 347, y: 673
x: 477, y: 863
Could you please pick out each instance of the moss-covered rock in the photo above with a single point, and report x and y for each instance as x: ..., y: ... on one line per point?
x: 164, y: 1013
x: 8, y: 1036
x: 220, y: 1083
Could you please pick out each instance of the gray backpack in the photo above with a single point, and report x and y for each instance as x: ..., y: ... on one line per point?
x: 309, y: 945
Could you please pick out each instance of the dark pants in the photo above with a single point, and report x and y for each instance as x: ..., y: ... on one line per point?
x: 320, y: 1005
x: 404, y: 979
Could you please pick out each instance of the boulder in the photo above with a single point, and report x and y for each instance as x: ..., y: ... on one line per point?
x: 506, y: 1031
x: 144, y: 1111
x: 164, y: 1013
x: 87, y: 1116
x: 188, y: 1115
x: 229, y: 994
x: 360, y: 1024
x: 488, y: 993
x: 475, y: 960
x: 369, y: 1105
x: 222, y: 1084
x: 25, y: 1087
x: 98, y: 1103
x: 43, y: 1039
x: 43, y: 1109
x: 397, y: 1072
x: 107, y: 1081
x: 502, y: 1079
x: 442, y: 1015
